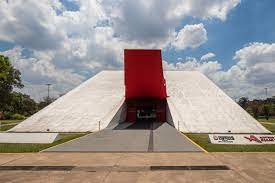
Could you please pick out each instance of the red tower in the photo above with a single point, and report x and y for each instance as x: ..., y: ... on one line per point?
x: 145, y: 89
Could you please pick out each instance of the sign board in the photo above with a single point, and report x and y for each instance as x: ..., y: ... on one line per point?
x: 242, y: 139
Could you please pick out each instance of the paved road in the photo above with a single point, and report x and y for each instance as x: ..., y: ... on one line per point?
x: 127, y: 137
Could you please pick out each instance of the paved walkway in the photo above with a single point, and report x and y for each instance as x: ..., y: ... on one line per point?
x: 137, y: 167
x: 138, y: 137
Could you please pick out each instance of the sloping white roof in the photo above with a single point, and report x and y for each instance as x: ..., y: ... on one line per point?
x: 81, y: 109
x: 197, y: 105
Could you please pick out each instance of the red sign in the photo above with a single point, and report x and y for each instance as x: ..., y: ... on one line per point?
x: 253, y: 138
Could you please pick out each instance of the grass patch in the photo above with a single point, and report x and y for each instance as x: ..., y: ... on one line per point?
x: 22, y: 148
x: 8, y: 124
x: 6, y: 127
x: 204, y: 142
x: 270, y: 127
x: 4, y: 122
x: 271, y: 120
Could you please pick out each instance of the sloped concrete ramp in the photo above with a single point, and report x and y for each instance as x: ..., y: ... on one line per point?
x: 137, y: 138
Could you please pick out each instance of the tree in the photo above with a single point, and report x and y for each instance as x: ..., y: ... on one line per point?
x: 9, y: 79
x: 266, y: 111
x: 243, y: 102
x: 255, y: 108
x: 22, y: 104
x: 45, y: 102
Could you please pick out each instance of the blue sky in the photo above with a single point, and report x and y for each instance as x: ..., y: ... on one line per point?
x: 250, y: 21
x: 65, y: 42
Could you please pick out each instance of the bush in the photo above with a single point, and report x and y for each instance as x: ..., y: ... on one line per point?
x: 14, y: 116
x: 17, y: 116
x: 8, y: 115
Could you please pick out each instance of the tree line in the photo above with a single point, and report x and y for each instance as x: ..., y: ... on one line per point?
x: 15, y: 105
x: 259, y: 107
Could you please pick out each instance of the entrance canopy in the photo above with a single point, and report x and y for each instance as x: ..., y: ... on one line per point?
x: 144, y: 74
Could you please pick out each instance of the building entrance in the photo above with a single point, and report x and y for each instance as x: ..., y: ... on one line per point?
x: 151, y: 110
x: 148, y: 114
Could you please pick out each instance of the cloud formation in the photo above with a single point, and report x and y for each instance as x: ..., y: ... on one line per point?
x: 54, y: 43
x: 254, y: 70
x: 191, y: 36
x: 208, y: 56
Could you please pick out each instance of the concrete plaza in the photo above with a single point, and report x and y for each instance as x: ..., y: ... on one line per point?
x: 137, y: 167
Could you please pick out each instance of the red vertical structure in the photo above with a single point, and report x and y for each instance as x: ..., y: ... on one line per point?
x: 144, y: 83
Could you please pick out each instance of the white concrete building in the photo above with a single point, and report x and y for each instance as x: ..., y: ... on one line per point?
x: 194, y: 104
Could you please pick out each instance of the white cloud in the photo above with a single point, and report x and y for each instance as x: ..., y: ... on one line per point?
x: 155, y: 21
x: 208, y: 56
x: 205, y: 9
x: 66, y: 47
x: 39, y: 70
x: 192, y: 64
x: 32, y: 24
x: 191, y: 36
x: 254, y: 71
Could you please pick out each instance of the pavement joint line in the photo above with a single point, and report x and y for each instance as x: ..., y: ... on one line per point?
x: 236, y: 170
x: 114, y: 168
x: 20, y: 157
x: 194, y: 143
x: 105, y: 177
x: 151, y: 139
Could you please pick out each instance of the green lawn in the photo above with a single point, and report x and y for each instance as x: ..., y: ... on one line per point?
x: 8, y: 124
x: 270, y: 127
x: 271, y: 120
x: 6, y: 127
x: 3, y: 122
x: 204, y: 142
x: 21, y: 148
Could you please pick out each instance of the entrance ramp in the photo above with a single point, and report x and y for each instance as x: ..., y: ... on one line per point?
x: 131, y: 137
x: 167, y: 139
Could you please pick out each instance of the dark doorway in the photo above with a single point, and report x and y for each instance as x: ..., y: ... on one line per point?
x: 146, y: 114
x: 146, y: 110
